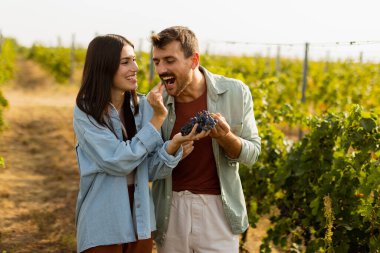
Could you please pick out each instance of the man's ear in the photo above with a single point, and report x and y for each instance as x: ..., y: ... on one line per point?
x: 195, y: 60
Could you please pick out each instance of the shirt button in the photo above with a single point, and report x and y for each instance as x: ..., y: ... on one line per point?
x: 166, y: 217
x: 168, y: 197
x: 138, y: 206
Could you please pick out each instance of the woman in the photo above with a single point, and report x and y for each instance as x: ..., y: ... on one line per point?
x: 119, y: 150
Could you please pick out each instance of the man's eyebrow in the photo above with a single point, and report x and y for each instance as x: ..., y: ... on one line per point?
x: 164, y: 58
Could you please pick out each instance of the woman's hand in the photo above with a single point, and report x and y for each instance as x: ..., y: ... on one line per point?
x: 186, y: 141
x: 187, y: 147
x: 156, y: 102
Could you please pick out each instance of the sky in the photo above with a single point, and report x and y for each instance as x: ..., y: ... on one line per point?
x: 254, y: 26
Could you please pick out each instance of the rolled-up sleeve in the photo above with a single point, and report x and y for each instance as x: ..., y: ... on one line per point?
x: 163, y: 164
x: 250, y: 139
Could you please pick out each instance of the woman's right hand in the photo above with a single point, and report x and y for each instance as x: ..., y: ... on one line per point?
x: 156, y: 102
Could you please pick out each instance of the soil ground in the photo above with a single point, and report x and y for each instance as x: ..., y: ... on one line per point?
x: 39, y: 183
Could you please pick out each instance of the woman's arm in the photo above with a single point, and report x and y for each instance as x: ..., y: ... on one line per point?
x: 166, y: 157
x: 112, y: 155
x: 171, y: 153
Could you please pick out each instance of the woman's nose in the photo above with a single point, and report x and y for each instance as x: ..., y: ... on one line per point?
x: 136, y: 66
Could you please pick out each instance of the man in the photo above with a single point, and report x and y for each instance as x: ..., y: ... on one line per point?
x: 201, y: 207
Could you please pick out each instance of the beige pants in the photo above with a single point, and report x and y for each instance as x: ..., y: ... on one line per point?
x: 198, y: 225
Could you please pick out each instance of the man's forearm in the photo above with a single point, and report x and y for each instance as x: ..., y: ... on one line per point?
x: 231, y: 145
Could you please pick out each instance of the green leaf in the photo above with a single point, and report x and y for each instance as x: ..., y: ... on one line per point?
x: 368, y: 124
x: 314, y: 205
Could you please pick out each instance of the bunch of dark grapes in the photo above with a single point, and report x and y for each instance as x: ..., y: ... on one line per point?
x: 204, y: 120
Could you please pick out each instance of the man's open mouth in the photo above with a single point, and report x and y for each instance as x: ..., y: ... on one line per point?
x: 168, y: 79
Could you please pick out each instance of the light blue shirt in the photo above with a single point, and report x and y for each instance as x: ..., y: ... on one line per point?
x: 103, y: 214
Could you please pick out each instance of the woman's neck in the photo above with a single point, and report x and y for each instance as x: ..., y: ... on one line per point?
x: 117, y: 99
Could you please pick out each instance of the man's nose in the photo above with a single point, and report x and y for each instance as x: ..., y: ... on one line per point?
x: 160, y: 68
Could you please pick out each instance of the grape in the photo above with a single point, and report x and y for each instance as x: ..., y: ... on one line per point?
x: 204, y: 120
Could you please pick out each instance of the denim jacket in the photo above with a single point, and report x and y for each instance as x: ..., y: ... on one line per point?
x: 103, y: 214
x: 233, y: 100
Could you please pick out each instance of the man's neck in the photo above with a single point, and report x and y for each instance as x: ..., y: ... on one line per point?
x: 194, y: 90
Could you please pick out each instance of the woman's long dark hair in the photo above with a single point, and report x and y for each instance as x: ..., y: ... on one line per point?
x: 101, y: 64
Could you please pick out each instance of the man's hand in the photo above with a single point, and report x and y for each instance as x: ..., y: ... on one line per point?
x: 230, y: 143
x: 221, y: 129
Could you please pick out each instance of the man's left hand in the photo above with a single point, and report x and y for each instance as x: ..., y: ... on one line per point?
x: 221, y: 129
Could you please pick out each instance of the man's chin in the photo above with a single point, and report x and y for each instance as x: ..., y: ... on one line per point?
x: 172, y: 93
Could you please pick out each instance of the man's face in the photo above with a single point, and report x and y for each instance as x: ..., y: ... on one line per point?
x: 174, y: 69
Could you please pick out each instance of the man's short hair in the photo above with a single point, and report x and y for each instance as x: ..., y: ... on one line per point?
x: 184, y: 35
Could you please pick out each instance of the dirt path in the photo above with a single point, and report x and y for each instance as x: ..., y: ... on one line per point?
x: 38, y: 185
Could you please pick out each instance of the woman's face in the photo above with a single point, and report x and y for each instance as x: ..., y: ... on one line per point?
x: 125, y: 78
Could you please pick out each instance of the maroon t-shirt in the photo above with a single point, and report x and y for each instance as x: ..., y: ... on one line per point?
x: 196, y: 173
